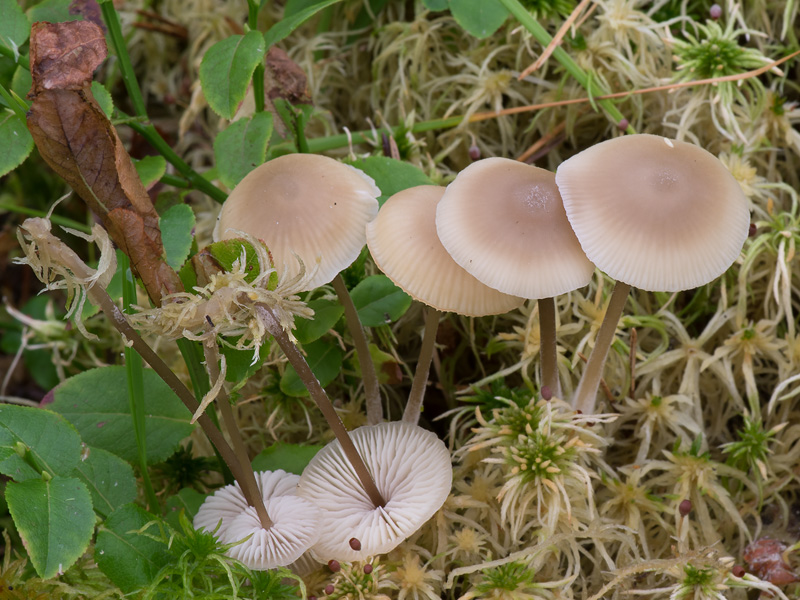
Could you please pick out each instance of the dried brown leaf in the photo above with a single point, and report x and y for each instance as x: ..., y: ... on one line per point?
x: 64, y: 55
x: 285, y: 78
x: 89, y: 10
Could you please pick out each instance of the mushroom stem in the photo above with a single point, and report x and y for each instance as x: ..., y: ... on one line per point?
x: 319, y: 396
x: 371, y: 388
x: 548, y: 349
x: 586, y: 394
x: 417, y: 394
x: 248, y: 481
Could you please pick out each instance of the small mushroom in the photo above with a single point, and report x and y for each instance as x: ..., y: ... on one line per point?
x: 294, y: 528
x: 412, y: 470
x: 653, y: 213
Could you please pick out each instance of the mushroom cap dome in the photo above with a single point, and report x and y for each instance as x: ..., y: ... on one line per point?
x: 303, y: 205
x: 504, y: 222
x: 295, y: 521
x: 412, y: 470
x: 403, y: 241
x: 655, y: 213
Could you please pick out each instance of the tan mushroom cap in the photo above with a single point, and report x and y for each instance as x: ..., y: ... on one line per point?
x: 503, y: 221
x: 306, y: 205
x: 655, y: 213
x: 404, y: 244
x: 294, y: 521
x: 412, y: 470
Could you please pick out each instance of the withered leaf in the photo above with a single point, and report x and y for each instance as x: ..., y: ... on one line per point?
x: 285, y: 78
x: 89, y: 10
x: 64, y: 55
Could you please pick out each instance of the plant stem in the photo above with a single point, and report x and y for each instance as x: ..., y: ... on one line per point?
x: 258, y: 74
x: 248, y: 483
x: 371, y: 388
x: 548, y: 348
x: 540, y: 33
x: 417, y: 394
x: 23, y: 60
x: 111, y: 19
x: 63, y: 221
x: 319, y: 396
x: 135, y: 378
x: 586, y: 394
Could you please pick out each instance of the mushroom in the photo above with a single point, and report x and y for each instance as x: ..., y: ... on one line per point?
x: 294, y: 528
x: 402, y: 239
x: 654, y: 213
x: 504, y: 222
x: 412, y: 470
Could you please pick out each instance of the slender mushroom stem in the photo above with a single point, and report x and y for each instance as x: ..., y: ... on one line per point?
x: 548, y: 349
x: 248, y: 482
x: 371, y: 388
x: 586, y: 394
x: 417, y: 394
x: 319, y: 396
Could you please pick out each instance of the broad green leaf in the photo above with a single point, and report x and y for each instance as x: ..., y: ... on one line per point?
x: 17, y: 141
x: 226, y: 253
x: 103, y: 98
x: 292, y: 458
x: 54, y: 519
x: 379, y: 301
x: 39, y: 362
x: 150, y: 169
x: 21, y: 82
x: 326, y: 314
x: 109, y: 479
x: 55, y: 11
x: 240, y: 363
x: 14, y: 25
x: 481, y: 18
x: 130, y: 559
x: 96, y: 402
x: 188, y: 500
x: 242, y: 147
x: 54, y: 443
x: 391, y: 175
x: 435, y: 5
x: 226, y: 69
x: 176, y: 232
x: 325, y: 361
x: 287, y: 25
x: 295, y: 6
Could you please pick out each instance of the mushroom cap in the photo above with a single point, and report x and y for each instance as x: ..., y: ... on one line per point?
x: 412, y: 470
x: 503, y: 221
x: 655, y: 213
x: 303, y: 205
x: 295, y: 521
x: 404, y: 244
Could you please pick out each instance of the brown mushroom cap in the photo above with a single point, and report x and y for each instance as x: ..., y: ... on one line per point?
x: 411, y: 467
x: 655, y: 213
x: 503, y: 221
x: 306, y: 205
x: 404, y: 244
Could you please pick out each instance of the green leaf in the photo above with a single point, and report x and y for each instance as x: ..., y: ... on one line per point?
x: 103, y: 98
x: 292, y: 458
x: 96, y: 402
x: 55, y: 521
x: 295, y: 6
x: 391, y: 175
x: 287, y: 25
x: 53, y: 443
x: 39, y: 362
x: 17, y: 141
x: 226, y: 69
x: 150, y: 169
x: 242, y: 147
x: 326, y: 314
x: 188, y: 500
x: 130, y: 559
x: 21, y: 82
x: 435, y: 5
x: 14, y: 25
x: 240, y: 363
x: 379, y: 301
x: 325, y: 361
x: 481, y: 18
x: 109, y: 479
x: 176, y: 232
x: 54, y: 11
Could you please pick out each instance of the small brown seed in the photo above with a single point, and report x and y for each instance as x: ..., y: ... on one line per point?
x: 329, y: 589
x: 367, y: 569
x: 334, y: 565
x: 738, y: 571
x: 685, y: 507
x: 355, y: 544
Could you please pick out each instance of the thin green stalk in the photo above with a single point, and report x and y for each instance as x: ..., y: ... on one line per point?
x: 111, y: 19
x: 174, y: 181
x: 540, y: 33
x: 63, y: 221
x: 21, y: 59
x: 19, y: 108
x: 258, y: 74
x: 135, y: 376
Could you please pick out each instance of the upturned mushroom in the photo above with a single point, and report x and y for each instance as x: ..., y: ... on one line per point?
x: 503, y: 221
x: 654, y: 213
x: 403, y: 242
